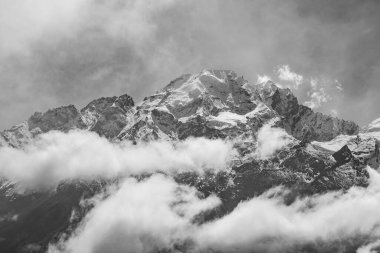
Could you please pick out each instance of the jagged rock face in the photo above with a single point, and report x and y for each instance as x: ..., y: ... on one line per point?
x: 107, y: 116
x: 220, y: 104
x: 362, y: 146
x: 211, y: 104
x: 40, y: 216
x: 298, y: 119
x: 61, y: 119
x: 17, y: 136
x: 211, y: 90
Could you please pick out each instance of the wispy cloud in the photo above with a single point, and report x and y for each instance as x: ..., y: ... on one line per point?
x: 25, y: 22
x: 285, y: 74
x: 338, y: 85
x: 317, y: 95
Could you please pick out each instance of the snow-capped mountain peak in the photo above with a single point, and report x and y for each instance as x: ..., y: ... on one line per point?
x: 210, y: 103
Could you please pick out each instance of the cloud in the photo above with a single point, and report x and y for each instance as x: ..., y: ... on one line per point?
x: 266, y: 224
x: 270, y: 140
x: 140, y: 223
x: 369, y: 248
x: 23, y: 22
x: 130, y: 20
x: 317, y: 95
x: 338, y: 85
x: 69, y: 50
x: 55, y: 157
x: 145, y: 216
x: 285, y: 74
x: 263, y: 78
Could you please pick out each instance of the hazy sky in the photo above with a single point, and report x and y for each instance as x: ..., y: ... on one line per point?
x: 55, y: 52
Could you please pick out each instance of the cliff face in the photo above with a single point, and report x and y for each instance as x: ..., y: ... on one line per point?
x: 105, y: 116
x: 221, y: 104
x: 298, y: 119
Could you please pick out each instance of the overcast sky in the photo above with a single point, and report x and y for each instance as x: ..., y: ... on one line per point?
x: 55, y: 52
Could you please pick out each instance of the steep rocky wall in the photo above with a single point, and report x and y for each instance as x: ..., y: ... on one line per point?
x: 299, y: 120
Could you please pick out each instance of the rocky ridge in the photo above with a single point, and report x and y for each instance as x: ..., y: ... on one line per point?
x: 213, y: 103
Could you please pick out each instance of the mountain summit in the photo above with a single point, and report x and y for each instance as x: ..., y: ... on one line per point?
x: 212, y: 103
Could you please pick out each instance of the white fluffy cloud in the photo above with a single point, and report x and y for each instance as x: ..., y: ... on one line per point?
x: 285, y: 74
x: 56, y: 156
x: 271, y: 139
x: 263, y: 78
x: 317, y: 95
x: 139, y: 217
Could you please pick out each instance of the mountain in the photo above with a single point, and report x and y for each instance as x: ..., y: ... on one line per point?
x: 211, y: 104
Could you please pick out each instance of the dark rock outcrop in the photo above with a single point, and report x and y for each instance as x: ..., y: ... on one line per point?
x: 107, y: 116
x: 62, y: 119
x: 299, y: 119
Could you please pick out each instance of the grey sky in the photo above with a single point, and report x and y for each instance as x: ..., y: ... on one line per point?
x: 55, y: 52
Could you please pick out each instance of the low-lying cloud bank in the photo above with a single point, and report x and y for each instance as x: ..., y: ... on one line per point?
x: 266, y: 224
x: 55, y: 157
x: 157, y: 214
